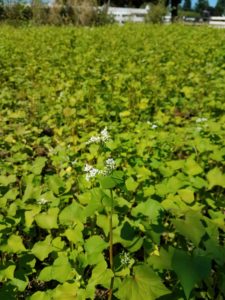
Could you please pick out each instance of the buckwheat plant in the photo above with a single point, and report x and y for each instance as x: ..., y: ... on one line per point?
x: 102, y: 138
x: 201, y: 120
x: 92, y: 172
x: 108, y: 179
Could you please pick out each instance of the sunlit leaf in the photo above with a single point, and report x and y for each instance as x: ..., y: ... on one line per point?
x: 143, y: 285
x: 48, y: 220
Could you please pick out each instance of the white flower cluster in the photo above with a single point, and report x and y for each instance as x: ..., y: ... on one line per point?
x: 42, y: 201
x: 110, y: 165
x: 91, y: 172
x: 103, y: 137
x: 153, y: 125
x: 200, y: 120
x: 125, y: 258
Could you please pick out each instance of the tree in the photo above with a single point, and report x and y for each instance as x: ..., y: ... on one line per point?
x: 220, y: 7
x: 174, y: 8
x: 201, y: 5
x: 156, y: 13
x: 187, y: 5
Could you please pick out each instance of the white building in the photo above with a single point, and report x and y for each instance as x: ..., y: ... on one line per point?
x: 125, y: 14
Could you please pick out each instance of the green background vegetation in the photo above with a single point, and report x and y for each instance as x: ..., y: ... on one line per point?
x: 160, y: 92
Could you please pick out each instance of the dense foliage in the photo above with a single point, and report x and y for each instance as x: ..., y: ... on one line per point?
x: 72, y: 12
x: 112, y: 171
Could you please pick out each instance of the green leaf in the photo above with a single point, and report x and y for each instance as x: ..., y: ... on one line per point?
x: 94, y: 247
x: 192, y: 168
x: 142, y: 173
x: 107, y: 182
x: 61, y: 270
x: 29, y: 187
x: 33, y: 190
x: 131, y: 184
x: 38, y: 165
x: 175, y: 164
x: 171, y: 185
x: 42, y: 249
x: 216, y: 178
x: 186, y: 195
x: 55, y: 184
x: 149, y: 191
x: 20, y: 284
x: 66, y: 291
x: 127, y: 235
x: 75, y: 235
x: 191, y: 227
x: 150, y: 208
x: 7, y: 273
x: 190, y: 269
x: 30, y: 214
x: 48, y: 220
x: 100, y: 276
x: 95, y: 244
x: 7, y: 180
x: 143, y: 285
x: 214, y: 249
x: 107, y: 199
x: 12, y: 194
x: 188, y: 91
x: 118, y: 177
x: 124, y: 114
x: 58, y: 244
x: 163, y: 260
x: 71, y: 214
x: 112, y: 180
x: 103, y: 222
x: 95, y: 203
x: 15, y: 244
x: 198, y: 182
x: 41, y: 296
x: 222, y: 283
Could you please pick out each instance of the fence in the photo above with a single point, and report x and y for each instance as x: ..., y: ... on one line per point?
x: 218, y: 22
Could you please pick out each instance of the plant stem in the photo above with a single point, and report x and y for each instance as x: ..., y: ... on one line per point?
x: 111, y: 247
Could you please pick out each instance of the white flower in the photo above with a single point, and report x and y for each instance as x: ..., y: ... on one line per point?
x: 125, y: 258
x: 91, y: 172
x: 42, y: 201
x: 103, y: 137
x: 94, y: 139
x: 110, y: 164
x: 154, y: 126
x: 200, y: 120
x: 87, y: 168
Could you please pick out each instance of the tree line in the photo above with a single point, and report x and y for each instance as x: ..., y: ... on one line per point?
x: 84, y: 12
x: 200, y: 5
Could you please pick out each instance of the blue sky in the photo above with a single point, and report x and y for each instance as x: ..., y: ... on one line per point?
x: 211, y: 2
